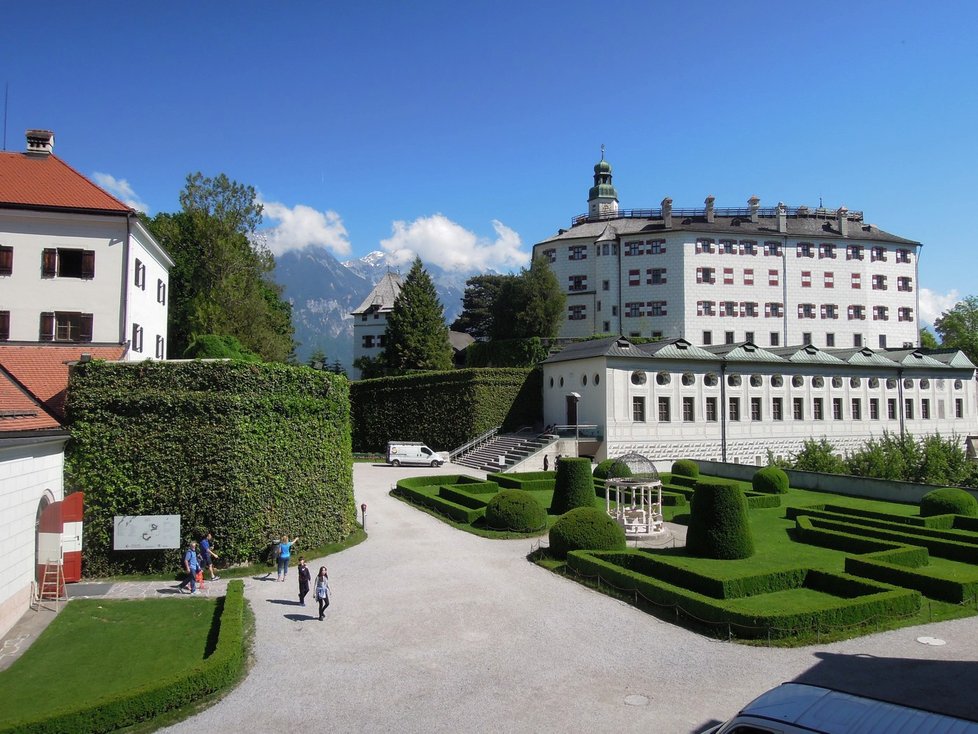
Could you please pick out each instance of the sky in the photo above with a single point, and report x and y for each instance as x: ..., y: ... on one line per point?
x: 466, y: 132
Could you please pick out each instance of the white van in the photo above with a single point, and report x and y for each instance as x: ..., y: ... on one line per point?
x: 798, y: 708
x: 413, y: 452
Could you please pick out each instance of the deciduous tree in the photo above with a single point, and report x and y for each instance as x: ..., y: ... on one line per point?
x: 958, y: 327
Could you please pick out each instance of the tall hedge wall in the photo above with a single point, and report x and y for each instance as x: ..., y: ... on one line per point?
x: 249, y: 451
x: 443, y: 409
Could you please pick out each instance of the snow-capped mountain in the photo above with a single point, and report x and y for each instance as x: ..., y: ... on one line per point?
x: 323, y: 291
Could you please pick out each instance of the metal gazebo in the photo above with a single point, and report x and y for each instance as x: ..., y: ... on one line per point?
x: 634, y: 485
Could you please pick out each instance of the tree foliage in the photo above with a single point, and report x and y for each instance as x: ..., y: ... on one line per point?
x: 416, y: 335
x: 928, y: 340
x: 529, y: 304
x: 818, y: 456
x: 220, y: 283
x: 479, y: 305
x: 958, y: 327
x: 214, y: 346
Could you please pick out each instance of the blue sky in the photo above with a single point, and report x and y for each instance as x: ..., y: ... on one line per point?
x: 466, y: 132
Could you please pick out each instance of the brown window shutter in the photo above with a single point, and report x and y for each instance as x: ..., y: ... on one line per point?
x: 85, y: 327
x: 4, y: 325
x: 88, y: 264
x: 49, y: 263
x: 47, y: 327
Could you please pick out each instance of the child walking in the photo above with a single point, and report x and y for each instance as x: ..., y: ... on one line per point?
x: 322, y: 592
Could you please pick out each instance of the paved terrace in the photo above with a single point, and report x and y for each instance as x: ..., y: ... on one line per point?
x: 435, y: 630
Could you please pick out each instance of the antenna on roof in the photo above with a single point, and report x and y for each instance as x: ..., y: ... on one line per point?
x: 602, y: 147
x: 820, y: 202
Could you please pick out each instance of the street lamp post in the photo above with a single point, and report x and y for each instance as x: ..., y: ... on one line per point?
x: 576, y: 397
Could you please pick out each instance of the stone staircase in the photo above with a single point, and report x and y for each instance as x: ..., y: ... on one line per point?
x: 505, y: 451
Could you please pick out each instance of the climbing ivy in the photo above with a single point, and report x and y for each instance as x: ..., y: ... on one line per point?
x: 249, y: 451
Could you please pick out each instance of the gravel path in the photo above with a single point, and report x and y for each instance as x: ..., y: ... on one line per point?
x: 435, y: 630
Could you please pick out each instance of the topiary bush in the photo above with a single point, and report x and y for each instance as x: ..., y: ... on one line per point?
x: 770, y: 479
x: 604, y: 469
x: 586, y: 528
x: 573, y: 487
x: 948, y: 501
x: 686, y: 468
x: 516, y: 510
x: 718, y: 523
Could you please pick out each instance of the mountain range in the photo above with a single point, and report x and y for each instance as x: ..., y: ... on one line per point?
x: 323, y: 291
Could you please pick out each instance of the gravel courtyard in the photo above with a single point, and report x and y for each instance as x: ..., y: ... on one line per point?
x: 435, y: 630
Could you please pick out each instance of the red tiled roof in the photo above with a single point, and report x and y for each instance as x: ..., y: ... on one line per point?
x: 19, y: 410
x: 43, y: 368
x: 45, y: 181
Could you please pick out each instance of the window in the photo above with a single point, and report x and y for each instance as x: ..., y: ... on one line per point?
x: 806, y: 337
x: 798, y: 409
x: 139, y: 275
x: 638, y: 409
x: 958, y: 408
x: 63, y: 326
x: 728, y: 308
x: 905, y: 284
x: 748, y: 308
x: 161, y: 292
x: 551, y: 255
x: 908, y: 408
x: 605, y: 285
x: 748, y: 276
x: 837, y: 409
x: 748, y: 247
x: 925, y: 409
x: 65, y: 263
x: 729, y: 247
x: 656, y: 247
x: 881, y: 313
x: 755, y: 409
x: 4, y: 326
x: 879, y: 282
x: 904, y: 314
x: 634, y: 277
x: 705, y: 308
x: 818, y: 409
x: 160, y: 347
x: 577, y: 312
x: 857, y: 409
x: 749, y: 337
x: 6, y: 260
x: 705, y: 245
x: 826, y: 250
x: 711, y: 409
x: 664, y: 410
x: 854, y: 252
x: 734, y: 410
x: 633, y: 310
x: 857, y: 281
x: 828, y: 279
x: 706, y: 275
x: 633, y: 248
x: 689, y: 410
x: 891, y: 408
x: 775, y: 338
x: 606, y: 326
x: 368, y: 341
x: 774, y: 310
x: 878, y: 254
x: 728, y: 337
x: 577, y: 282
x: 614, y: 309
x: 806, y: 278
x: 882, y: 341
x: 137, y: 338
x: 598, y: 307
x: 728, y: 276
x: 829, y: 339
x: 857, y: 341
x: 806, y: 310
x: 657, y: 308
x: 707, y: 338
x: 902, y: 255
x: 772, y: 249
x: 874, y: 409
x: 656, y: 276
x: 856, y: 313
x: 829, y: 311
x: 577, y: 252
x: 805, y: 249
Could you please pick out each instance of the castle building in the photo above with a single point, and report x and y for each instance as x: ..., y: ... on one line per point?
x: 770, y: 276
x: 370, y: 319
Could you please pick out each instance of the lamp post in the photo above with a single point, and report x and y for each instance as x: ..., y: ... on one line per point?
x: 363, y: 512
x: 576, y: 397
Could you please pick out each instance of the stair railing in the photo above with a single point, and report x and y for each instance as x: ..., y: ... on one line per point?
x: 474, y: 443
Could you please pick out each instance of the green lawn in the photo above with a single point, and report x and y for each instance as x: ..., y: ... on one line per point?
x: 96, y: 648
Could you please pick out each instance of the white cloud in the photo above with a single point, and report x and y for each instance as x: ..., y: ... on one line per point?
x: 301, y: 226
x: 932, y: 304
x: 120, y: 188
x: 440, y: 241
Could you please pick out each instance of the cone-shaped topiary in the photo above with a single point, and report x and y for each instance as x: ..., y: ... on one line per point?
x: 718, y: 523
x: 686, y: 468
x: 604, y: 469
x: 573, y: 487
x: 770, y: 479
x: 516, y: 510
x: 586, y: 528
x: 948, y: 501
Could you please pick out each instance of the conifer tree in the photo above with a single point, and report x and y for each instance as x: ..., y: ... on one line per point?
x: 416, y: 336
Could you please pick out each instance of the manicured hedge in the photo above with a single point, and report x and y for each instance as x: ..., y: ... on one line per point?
x: 531, y: 481
x: 516, y: 510
x: 248, y: 451
x: 770, y: 479
x: 890, y: 567
x: 900, y: 529
x: 951, y: 549
x: 443, y: 409
x: 948, y: 501
x: 585, y: 528
x: 457, y: 493
x: 604, y: 469
x: 718, y: 523
x: 685, y: 468
x: 218, y: 671
x: 573, y: 487
x: 757, y: 501
x: 453, y: 510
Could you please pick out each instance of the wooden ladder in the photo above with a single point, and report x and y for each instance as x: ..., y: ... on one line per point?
x: 52, y: 586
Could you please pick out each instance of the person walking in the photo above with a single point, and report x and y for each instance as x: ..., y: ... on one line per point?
x: 322, y: 592
x: 284, y: 553
x: 546, y: 462
x: 191, y: 566
x: 304, y: 579
x: 208, y: 555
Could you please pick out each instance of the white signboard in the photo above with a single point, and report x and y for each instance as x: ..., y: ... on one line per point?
x: 146, y: 532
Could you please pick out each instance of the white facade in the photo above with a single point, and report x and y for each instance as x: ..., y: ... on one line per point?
x: 370, y: 320
x: 31, y: 471
x: 714, y: 276
x: 673, y: 400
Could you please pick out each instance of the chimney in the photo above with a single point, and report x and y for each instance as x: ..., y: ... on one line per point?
x: 709, y: 208
x: 843, y: 215
x: 754, y: 204
x: 40, y: 141
x: 667, y: 212
x: 782, y: 217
